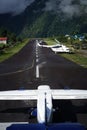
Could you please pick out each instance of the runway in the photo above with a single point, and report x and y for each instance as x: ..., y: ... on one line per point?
x: 34, y: 66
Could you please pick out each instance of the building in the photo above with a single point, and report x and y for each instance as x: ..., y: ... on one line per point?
x: 3, y: 40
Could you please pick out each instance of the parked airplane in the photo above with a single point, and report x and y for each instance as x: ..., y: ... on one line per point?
x: 61, y: 48
x: 56, y: 48
x: 44, y: 96
x: 40, y: 43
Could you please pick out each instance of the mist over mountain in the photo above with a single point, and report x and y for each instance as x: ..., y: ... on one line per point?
x: 43, y: 18
x: 69, y: 8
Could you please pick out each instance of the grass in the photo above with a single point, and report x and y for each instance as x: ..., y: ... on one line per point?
x: 7, y: 53
x: 76, y: 57
x: 49, y: 41
x: 1, y: 44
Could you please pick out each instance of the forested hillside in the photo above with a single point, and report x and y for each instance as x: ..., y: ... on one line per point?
x: 36, y: 22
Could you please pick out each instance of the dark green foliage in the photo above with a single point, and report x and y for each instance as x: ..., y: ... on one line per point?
x: 3, y: 32
x: 62, y: 38
x: 12, y: 39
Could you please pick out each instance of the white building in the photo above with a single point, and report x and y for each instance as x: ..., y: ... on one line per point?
x: 3, y: 40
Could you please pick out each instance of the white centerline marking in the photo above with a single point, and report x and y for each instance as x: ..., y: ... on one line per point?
x: 37, y: 62
x: 37, y: 71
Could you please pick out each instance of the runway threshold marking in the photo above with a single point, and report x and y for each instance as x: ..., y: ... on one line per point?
x: 19, y: 71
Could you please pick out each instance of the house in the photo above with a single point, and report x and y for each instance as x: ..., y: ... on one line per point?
x: 80, y: 37
x: 3, y: 40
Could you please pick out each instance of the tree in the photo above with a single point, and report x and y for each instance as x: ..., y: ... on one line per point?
x: 12, y: 38
x: 3, y: 32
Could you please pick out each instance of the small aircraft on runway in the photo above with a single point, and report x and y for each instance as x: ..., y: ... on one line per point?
x: 44, y: 96
x: 40, y: 43
x: 58, y: 48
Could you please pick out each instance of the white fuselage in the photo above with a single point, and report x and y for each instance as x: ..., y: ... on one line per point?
x: 44, y: 104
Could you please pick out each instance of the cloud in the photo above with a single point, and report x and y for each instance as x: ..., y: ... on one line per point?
x: 69, y: 8
x: 14, y: 6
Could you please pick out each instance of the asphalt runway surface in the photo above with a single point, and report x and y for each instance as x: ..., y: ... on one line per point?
x: 19, y: 72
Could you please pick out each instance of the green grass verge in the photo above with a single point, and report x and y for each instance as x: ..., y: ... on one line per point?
x: 13, y: 50
x: 77, y: 58
x: 49, y: 41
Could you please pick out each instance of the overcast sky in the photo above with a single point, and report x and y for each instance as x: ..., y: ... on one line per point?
x: 14, y: 6
x: 67, y: 7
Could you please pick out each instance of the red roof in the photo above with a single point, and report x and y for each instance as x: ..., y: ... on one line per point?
x: 3, y: 38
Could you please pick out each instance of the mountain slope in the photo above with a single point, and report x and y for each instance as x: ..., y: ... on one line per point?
x: 35, y: 22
